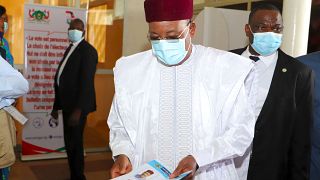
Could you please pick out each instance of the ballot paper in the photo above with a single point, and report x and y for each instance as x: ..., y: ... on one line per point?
x: 153, y: 170
x: 16, y: 114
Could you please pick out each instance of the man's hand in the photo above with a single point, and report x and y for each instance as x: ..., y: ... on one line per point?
x: 54, y: 114
x: 186, y: 164
x: 121, y: 166
x: 74, y: 117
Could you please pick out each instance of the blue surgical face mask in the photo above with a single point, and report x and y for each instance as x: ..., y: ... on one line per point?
x: 75, y: 35
x: 5, y: 27
x: 170, y: 51
x: 266, y: 43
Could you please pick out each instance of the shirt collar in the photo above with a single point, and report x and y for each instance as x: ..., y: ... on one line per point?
x: 78, y: 42
x: 267, y: 60
x: 191, y: 54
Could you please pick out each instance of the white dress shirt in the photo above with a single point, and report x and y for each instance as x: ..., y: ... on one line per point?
x: 73, y: 47
x: 12, y: 84
x: 258, y: 83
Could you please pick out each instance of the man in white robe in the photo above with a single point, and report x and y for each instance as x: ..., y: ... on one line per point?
x: 182, y: 104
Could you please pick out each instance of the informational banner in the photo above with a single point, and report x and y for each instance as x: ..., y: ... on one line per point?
x: 45, y: 42
x: 45, y: 35
x: 42, y: 135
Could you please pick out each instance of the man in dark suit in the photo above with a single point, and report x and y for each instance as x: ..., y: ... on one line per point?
x: 280, y: 89
x: 75, y: 94
x: 313, y: 61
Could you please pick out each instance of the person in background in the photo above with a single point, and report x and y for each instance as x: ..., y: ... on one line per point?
x: 179, y: 103
x: 2, y: 50
x: 12, y: 85
x: 7, y: 128
x: 313, y: 61
x: 75, y: 94
x: 281, y: 94
x: 3, y: 42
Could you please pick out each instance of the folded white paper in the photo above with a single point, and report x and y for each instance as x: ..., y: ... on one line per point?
x: 16, y: 114
x: 153, y: 170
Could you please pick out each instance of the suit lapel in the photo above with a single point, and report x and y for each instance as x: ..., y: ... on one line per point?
x: 67, y: 51
x: 279, y: 76
x: 64, y: 56
x: 59, y: 66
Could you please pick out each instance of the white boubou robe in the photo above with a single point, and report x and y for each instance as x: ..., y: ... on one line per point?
x: 199, y: 108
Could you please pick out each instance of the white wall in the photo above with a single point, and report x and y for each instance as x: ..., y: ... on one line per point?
x: 135, y: 28
x: 221, y: 28
x: 198, y: 1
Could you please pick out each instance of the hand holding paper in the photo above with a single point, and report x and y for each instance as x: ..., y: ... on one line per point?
x: 153, y: 170
x: 187, y: 164
x: 121, y: 166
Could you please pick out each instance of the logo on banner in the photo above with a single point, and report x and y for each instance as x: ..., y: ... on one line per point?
x: 70, y: 16
x: 39, y: 16
x: 53, y: 123
x: 37, y: 122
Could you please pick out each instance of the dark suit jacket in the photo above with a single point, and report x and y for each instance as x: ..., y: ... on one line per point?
x: 313, y: 61
x: 76, y: 86
x: 281, y: 144
x: 3, y: 53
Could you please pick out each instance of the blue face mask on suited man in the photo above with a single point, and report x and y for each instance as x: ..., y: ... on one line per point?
x: 170, y: 51
x: 75, y: 35
x: 266, y: 43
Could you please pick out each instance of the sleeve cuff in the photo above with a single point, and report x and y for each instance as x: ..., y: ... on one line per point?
x: 203, y: 159
x: 6, y: 102
x: 128, y: 153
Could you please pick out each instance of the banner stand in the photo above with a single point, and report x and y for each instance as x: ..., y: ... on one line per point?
x: 45, y: 41
x: 43, y: 156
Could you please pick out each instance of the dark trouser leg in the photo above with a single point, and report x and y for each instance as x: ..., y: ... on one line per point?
x: 1, y: 176
x: 73, y: 138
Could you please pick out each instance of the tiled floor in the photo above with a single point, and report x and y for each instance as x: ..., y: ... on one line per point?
x: 97, y: 166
